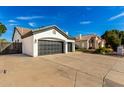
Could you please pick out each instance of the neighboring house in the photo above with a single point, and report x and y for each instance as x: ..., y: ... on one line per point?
x: 89, y: 41
x: 43, y: 41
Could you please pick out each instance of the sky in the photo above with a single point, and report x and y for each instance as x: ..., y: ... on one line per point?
x: 72, y: 19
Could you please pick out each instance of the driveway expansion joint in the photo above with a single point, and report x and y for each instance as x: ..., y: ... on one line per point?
x: 75, y: 79
x: 107, y: 74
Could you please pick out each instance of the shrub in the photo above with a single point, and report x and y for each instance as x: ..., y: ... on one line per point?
x: 104, y: 50
x: 100, y: 50
x: 108, y: 50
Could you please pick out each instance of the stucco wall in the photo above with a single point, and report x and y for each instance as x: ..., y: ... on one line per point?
x: 50, y: 33
x: 78, y: 44
x: 52, y: 36
x: 82, y: 44
x: 30, y: 44
x: 27, y: 46
x: 17, y: 37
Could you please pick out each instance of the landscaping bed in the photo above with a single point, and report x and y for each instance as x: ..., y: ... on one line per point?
x: 100, y: 51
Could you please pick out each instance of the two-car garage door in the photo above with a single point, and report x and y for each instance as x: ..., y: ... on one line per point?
x: 46, y: 47
x: 49, y: 47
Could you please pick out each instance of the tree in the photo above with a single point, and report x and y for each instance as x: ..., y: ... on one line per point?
x: 122, y: 37
x: 3, y: 40
x: 113, y: 38
x: 2, y: 29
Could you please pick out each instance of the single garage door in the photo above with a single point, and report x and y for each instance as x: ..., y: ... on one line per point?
x: 69, y: 47
x: 46, y: 47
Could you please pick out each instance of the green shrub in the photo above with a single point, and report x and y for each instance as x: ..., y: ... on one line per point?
x: 108, y: 50
x: 100, y: 50
x: 104, y: 50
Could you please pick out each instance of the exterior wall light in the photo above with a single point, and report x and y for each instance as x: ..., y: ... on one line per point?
x: 35, y: 41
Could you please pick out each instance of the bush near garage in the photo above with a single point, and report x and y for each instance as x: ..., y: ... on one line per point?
x: 104, y: 50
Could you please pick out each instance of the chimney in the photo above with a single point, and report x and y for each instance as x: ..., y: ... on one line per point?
x: 80, y: 36
x: 66, y: 33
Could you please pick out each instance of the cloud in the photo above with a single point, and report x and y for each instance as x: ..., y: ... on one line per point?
x: 116, y: 16
x: 28, y: 17
x: 12, y: 21
x: 32, y: 24
x: 85, y: 22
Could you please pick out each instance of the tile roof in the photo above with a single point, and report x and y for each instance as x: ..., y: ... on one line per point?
x: 86, y: 37
x: 23, y: 31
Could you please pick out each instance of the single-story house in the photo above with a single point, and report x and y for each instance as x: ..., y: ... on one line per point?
x: 43, y: 41
x: 89, y: 41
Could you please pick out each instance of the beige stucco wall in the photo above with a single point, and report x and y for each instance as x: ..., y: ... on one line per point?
x: 97, y: 42
x: 82, y: 44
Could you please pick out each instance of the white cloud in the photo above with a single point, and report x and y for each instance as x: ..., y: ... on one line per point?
x: 29, y: 17
x: 12, y: 21
x: 116, y: 16
x: 32, y: 24
x: 85, y: 22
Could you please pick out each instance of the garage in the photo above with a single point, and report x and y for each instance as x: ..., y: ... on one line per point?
x: 44, y: 41
x: 69, y: 47
x: 46, y: 47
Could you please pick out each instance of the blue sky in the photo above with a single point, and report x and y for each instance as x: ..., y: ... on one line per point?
x: 75, y: 20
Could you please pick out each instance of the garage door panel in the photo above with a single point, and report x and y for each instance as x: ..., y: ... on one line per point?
x: 49, y: 47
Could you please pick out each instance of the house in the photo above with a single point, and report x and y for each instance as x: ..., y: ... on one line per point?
x: 89, y: 41
x: 43, y: 41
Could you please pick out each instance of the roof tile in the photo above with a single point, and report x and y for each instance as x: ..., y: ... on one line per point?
x: 23, y: 31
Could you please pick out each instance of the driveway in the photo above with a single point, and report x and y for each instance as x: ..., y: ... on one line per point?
x: 60, y: 70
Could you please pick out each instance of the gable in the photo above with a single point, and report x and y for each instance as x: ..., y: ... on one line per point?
x: 16, y: 36
x: 22, y: 30
x: 50, y: 34
x: 55, y: 29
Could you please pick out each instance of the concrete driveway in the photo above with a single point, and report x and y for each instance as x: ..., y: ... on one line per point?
x: 61, y: 70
